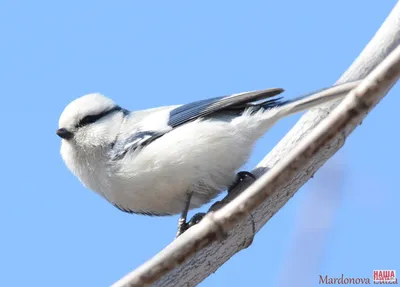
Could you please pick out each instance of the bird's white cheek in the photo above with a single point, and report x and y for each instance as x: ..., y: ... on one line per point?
x: 96, y: 135
x: 68, y: 155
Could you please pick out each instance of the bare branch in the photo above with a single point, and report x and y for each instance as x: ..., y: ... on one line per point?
x: 201, y: 250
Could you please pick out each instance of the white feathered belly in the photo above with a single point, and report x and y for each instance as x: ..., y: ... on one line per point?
x: 202, y: 156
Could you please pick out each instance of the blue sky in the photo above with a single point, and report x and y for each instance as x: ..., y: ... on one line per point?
x: 54, y: 232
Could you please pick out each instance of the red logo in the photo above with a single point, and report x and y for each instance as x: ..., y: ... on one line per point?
x: 385, y: 276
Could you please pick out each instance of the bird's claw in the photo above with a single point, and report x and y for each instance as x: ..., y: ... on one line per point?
x: 196, y: 219
x: 240, y: 177
x: 183, y: 226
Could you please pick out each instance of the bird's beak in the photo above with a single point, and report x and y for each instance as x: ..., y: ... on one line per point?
x: 64, y: 134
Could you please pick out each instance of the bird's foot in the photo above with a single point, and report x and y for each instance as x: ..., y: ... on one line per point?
x: 196, y: 219
x: 183, y: 225
x: 240, y: 177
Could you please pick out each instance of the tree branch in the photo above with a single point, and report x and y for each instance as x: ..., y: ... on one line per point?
x: 204, y: 248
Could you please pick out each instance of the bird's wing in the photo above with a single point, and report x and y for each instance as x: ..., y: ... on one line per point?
x: 203, y: 108
x: 136, y: 140
x: 180, y: 115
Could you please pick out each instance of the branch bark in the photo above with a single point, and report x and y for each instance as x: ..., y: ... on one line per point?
x: 204, y: 248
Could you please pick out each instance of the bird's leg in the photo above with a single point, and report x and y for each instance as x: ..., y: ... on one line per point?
x: 182, y: 225
x: 241, y: 176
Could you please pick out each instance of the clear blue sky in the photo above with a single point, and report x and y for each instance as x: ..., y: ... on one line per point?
x: 54, y: 232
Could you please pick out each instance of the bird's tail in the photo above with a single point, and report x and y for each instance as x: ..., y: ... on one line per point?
x: 289, y: 107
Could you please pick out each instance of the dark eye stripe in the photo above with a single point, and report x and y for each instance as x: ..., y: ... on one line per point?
x: 93, y: 118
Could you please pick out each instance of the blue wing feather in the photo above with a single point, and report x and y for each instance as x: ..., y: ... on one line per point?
x: 238, y: 102
x: 135, y: 141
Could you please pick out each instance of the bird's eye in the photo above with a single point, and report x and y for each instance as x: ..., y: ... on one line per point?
x: 93, y: 118
x: 89, y: 120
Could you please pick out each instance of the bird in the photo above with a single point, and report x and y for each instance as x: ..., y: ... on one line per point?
x: 171, y: 159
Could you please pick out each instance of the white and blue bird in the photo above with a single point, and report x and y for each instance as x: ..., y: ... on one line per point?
x: 167, y: 160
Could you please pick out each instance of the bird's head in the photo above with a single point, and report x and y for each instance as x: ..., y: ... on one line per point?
x: 90, y: 122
